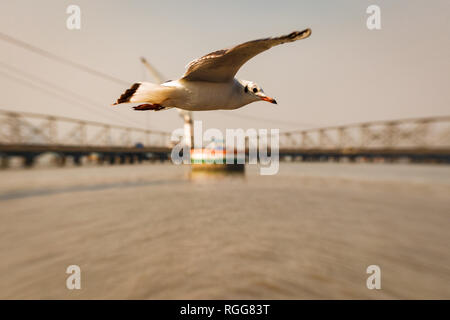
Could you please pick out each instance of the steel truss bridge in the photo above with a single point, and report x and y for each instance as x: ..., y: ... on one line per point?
x: 420, y: 139
x: 29, y: 135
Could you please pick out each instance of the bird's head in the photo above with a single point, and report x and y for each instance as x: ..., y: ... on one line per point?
x: 255, y: 92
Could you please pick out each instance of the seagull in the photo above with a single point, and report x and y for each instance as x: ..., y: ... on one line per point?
x: 209, y: 82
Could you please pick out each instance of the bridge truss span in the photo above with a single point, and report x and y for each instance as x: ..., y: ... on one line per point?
x: 29, y: 135
x: 412, y: 138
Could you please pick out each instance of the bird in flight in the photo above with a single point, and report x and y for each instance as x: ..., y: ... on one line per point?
x: 209, y: 82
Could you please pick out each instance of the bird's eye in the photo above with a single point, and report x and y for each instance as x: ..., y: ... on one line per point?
x: 255, y: 90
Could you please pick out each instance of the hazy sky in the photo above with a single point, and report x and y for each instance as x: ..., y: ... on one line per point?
x: 344, y: 73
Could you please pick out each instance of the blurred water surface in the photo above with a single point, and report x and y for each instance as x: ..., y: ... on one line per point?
x: 160, y: 231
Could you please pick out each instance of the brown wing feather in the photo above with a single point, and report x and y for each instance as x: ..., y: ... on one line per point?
x: 222, y: 65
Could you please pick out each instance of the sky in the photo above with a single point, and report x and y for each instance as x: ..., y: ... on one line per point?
x: 344, y: 73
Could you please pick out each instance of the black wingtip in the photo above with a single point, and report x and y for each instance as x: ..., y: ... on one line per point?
x: 305, y: 33
x: 300, y: 34
x: 126, y: 96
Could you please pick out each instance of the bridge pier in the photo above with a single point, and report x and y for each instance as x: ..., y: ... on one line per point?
x: 28, y: 161
x: 4, y: 162
x: 111, y: 159
x: 77, y: 159
x: 163, y: 157
x: 101, y: 159
x: 61, y: 161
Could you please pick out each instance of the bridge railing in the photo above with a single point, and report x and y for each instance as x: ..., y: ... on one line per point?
x: 24, y: 128
x: 423, y: 133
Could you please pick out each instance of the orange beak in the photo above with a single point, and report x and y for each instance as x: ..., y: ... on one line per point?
x: 269, y: 99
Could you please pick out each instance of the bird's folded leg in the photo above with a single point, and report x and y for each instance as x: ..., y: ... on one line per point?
x: 148, y: 106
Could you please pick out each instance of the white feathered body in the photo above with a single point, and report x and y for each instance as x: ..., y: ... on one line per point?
x: 193, y: 95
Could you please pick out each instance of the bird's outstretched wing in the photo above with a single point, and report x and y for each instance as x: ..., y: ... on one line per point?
x: 222, y: 65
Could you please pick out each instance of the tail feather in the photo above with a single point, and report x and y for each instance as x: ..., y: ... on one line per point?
x: 126, y: 96
x: 145, y: 92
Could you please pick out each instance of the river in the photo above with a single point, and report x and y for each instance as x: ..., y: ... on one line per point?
x: 158, y: 231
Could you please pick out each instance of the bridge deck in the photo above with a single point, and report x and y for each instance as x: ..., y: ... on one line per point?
x: 40, y: 148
